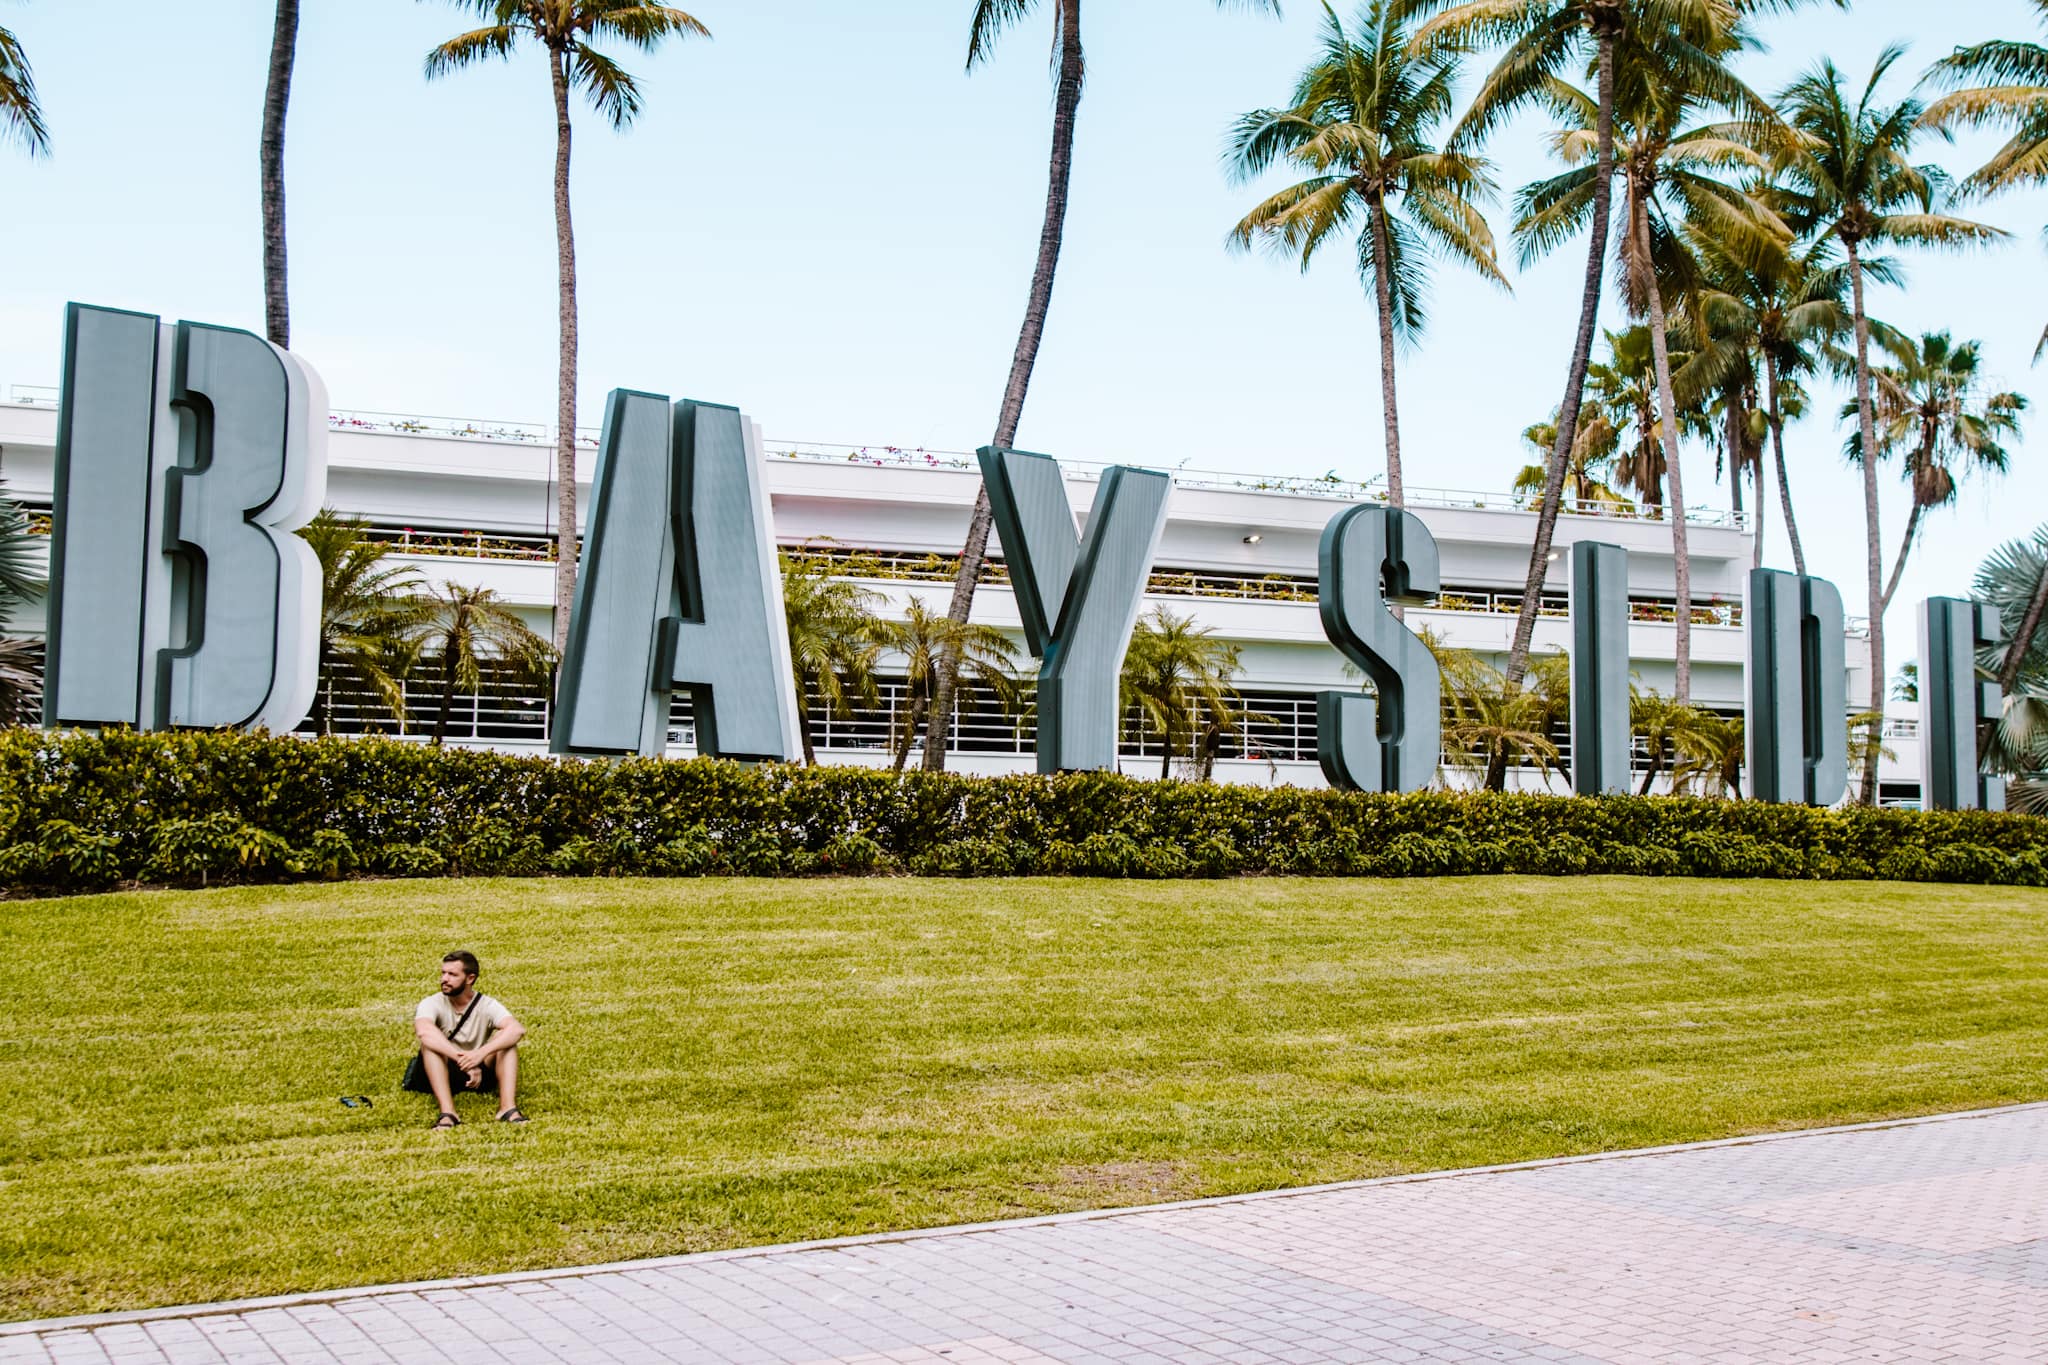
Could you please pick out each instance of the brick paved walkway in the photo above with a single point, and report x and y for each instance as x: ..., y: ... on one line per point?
x: 1925, y: 1240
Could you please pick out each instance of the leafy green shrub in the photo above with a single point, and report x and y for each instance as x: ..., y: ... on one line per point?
x: 329, y: 856
x: 852, y: 853
x: 1970, y: 863
x: 409, y: 860
x: 83, y: 812
x: 215, y: 848
x: 77, y: 858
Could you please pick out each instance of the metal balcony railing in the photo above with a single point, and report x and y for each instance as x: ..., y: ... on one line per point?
x: 1328, y: 485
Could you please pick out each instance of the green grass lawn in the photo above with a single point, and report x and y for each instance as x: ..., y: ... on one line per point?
x: 714, y: 1063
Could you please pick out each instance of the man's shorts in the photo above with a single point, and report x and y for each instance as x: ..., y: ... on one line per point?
x: 458, y: 1079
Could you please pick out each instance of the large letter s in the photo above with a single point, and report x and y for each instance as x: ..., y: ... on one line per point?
x: 1394, y: 745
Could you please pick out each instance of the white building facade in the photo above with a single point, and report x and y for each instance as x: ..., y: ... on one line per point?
x: 473, y: 503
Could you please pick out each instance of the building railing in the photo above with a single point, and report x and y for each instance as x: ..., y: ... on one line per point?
x: 1328, y: 485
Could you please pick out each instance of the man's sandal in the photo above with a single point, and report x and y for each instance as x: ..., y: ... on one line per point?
x: 513, y: 1115
x: 447, y: 1120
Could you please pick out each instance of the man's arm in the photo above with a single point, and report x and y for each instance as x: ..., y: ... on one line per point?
x: 434, y: 1041
x: 506, y: 1035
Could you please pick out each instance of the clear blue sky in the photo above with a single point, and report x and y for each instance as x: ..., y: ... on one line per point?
x: 821, y: 217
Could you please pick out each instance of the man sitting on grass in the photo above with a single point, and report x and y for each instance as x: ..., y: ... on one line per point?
x: 468, y: 1042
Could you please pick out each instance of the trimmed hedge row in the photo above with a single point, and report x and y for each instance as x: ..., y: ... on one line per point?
x: 85, y: 812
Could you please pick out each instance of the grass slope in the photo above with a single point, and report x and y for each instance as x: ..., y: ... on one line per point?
x: 716, y: 1063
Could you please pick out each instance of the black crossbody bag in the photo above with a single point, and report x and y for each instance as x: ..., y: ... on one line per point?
x: 416, y: 1070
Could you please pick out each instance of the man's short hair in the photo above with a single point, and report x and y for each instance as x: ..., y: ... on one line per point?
x: 467, y: 959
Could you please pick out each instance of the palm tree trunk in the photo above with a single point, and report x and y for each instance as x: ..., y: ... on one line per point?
x: 1574, y: 390
x: 1383, y: 296
x: 447, y: 692
x: 1681, y: 555
x: 1756, y: 476
x: 2021, y: 640
x: 909, y: 734
x: 1778, y: 454
x: 565, y: 379
x: 803, y: 733
x: 1874, y: 551
x: 1731, y: 405
x: 1066, y: 101
x: 277, y: 93
x: 1905, y: 550
x: 323, y: 694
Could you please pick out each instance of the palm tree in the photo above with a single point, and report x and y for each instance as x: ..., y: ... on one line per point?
x: 1847, y: 176
x: 1177, y: 677
x: 834, y: 639
x: 2011, y: 580
x: 565, y: 29
x: 1544, y: 40
x: 991, y: 18
x: 1786, y: 310
x: 1587, y: 472
x: 277, y: 93
x: 1662, y: 723
x: 1362, y: 127
x: 20, y: 115
x: 21, y: 582
x: 1932, y: 408
x: 1711, y: 753
x: 1489, y: 725
x: 2016, y: 98
x: 1668, y: 178
x: 371, y: 615
x: 468, y: 628
x: 1625, y: 397
x: 925, y: 640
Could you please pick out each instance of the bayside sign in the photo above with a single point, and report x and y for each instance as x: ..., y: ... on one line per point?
x: 179, y: 597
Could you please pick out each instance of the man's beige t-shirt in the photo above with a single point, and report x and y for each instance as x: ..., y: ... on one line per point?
x: 483, y: 1021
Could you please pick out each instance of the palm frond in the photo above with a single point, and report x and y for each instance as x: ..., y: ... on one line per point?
x: 21, y: 115
x: 613, y: 93
x: 466, y: 49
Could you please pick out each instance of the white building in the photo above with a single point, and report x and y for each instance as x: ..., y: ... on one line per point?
x: 473, y: 502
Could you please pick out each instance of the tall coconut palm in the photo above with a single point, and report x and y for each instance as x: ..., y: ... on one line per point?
x: 834, y: 640
x: 21, y: 116
x: 1788, y: 310
x: 1623, y: 387
x: 565, y: 31
x: 464, y: 630
x: 925, y: 640
x: 991, y: 19
x: 1178, y: 677
x: 1362, y: 125
x: 2014, y: 97
x: 1848, y: 176
x: 1545, y: 41
x: 1668, y: 165
x: 277, y: 94
x: 1932, y: 409
x: 372, y: 613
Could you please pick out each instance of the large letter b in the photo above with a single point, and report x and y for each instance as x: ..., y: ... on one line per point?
x: 186, y: 457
